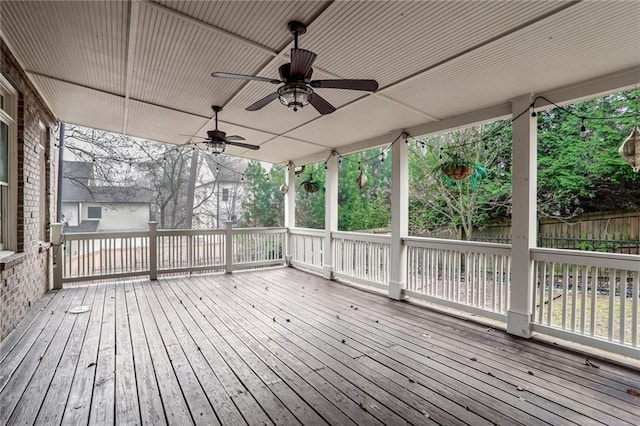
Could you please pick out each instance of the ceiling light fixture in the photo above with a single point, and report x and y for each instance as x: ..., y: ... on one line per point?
x: 216, y: 147
x: 295, y: 95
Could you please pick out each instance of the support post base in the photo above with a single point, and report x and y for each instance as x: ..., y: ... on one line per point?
x: 395, y: 290
x: 519, y: 324
x: 328, y: 272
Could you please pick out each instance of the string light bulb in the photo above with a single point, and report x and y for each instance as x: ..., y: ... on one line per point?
x: 583, y: 129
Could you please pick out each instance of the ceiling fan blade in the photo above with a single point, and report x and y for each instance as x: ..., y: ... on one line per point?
x: 366, y: 85
x: 243, y: 145
x: 262, y: 102
x: 321, y: 104
x: 244, y: 77
x: 234, y: 138
x: 301, y: 61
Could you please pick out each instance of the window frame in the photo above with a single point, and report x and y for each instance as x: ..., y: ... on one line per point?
x: 89, y: 214
x: 9, y: 192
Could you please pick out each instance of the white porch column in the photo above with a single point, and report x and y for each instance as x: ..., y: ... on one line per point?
x: 330, y: 214
x: 289, y: 208
x: 290, y: 197
x: 523, y: 217
x: 399, y: 218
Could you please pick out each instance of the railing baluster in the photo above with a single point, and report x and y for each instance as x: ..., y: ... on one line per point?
x: 611, y: 278
x: 623, y: 306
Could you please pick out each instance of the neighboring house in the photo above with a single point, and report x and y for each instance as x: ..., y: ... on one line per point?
x: 225, y: 204
x: 87, y: 207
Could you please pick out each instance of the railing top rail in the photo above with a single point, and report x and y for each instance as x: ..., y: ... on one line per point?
x: 75, y: 236
x: 176, y: 232
x: 259, y: 230
x: 476, y: 246
x: 630, y: 262
x: 361, y: 236
x: 307, y: 231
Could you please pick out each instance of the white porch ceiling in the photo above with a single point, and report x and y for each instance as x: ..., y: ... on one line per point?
x: 143, y: 67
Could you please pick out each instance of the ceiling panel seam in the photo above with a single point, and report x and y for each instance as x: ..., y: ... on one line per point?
x: 282, y: 52
x: 484, y: 43
x: 134, y: 10
x: 211, y: 27
x: 274, y: 135
x: 276, y: 55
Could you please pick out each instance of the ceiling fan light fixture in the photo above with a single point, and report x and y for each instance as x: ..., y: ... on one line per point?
x: 295, y: 95
x: 216, y: 148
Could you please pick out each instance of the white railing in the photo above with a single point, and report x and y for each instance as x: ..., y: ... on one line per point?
x: 306, y: 248
x: 362, y: 257
x: 255, y: 247
x: 104, y: 255
x: 98, y: 255
x: 470, y: 276
x: 182, y: 250
x: 587, y: 297
x: 583, y: 297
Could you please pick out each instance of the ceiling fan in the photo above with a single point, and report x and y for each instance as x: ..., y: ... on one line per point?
x: 297, y: 90
x: 217, y: 140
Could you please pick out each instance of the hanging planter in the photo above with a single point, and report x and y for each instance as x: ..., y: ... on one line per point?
x: 310, y: 185
x: 361, y: 180
x: 630, y: 149
x: 456, y: 167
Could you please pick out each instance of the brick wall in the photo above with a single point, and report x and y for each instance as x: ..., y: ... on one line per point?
x: 24, y: 276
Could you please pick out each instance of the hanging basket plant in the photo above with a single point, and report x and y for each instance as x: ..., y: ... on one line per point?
x: 310, y: 185
x: 456, y: 167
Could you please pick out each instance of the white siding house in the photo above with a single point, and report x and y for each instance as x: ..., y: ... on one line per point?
x: 87, y: 207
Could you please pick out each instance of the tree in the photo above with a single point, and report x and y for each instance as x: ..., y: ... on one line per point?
x: 126, y: 162
x: 263, y: 204
x: 437, y: 201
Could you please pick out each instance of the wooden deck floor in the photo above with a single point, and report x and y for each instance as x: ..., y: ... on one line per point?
x: 285, y: 347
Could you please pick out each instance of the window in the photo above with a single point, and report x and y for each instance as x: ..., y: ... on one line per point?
x: 225, y: 194
x: 8, y: 160
x: 94, y: 212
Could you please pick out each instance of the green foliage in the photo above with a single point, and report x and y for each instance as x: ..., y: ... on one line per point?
x: 263, y: 204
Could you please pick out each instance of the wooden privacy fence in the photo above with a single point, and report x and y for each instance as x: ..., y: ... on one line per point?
x: 607, y: 233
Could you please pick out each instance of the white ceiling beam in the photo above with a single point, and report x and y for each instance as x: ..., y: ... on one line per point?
x: 225, y: 33
x: 615, y: 82
x: 134, y: 11
x: 624, y: 80
x: 380, y: 93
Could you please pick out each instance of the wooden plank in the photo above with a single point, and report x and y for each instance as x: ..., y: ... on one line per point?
x: 55, y: 397
x: 36, y: 332
x: 215, y: 392
x: 34, y: 320
x: 150, y: 402
x: 176, y: 410
x: 199, y: 405
x: 18, y: 379
x: 103, y: 399
x: 244, y: 401
x: 78, y: 404
x: 288, y: 291
x: 366, y: 374
x: 302, y: 347
x: 302, y: 412
x: 31, y: 400
x: 298, y: 375
x: 476, y: 334
x: 246, y: 404
x: 127, y: 409
x: 252, y: 380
